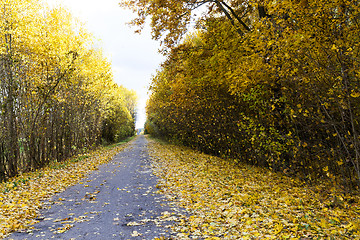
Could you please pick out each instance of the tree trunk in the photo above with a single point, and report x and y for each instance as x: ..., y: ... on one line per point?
x: 12, y: 136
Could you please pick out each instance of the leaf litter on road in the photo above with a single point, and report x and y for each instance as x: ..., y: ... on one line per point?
x: 22, y: 197
x: 229, y: 200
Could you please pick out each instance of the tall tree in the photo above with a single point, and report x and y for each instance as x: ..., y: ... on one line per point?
x: 286, y: 90
x: 55, y: 90
x: 171, y: 19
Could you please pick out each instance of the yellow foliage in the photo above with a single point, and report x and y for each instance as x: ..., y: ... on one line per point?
x: 20, y: 205
x: 54, y: 82
x: 229, y: 90
x: 230, y: 200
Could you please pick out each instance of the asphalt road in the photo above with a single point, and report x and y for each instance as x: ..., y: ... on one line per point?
x: 118, y: 201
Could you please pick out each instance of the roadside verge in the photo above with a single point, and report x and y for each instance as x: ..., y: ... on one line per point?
x: 23, y: 196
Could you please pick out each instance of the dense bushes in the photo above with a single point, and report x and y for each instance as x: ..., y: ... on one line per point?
x: 283, y: 95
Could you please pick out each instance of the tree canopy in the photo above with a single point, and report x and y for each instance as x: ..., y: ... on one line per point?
x: 57, y: 94
x: 170, y: 20
x: 282, y: 92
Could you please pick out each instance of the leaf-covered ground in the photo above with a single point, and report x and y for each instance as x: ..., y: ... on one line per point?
x: 22, y: 197
x: 228, y: 200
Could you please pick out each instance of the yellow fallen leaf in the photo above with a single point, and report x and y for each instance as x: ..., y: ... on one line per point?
x: 324, y: 223
x: 136, y: 234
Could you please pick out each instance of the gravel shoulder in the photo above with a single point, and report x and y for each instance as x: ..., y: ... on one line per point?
x: 118, y: 201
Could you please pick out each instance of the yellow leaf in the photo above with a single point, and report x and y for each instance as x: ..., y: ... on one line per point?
x: 324, y: 223
x: 355, y: 94
x: 135, y: 234
x: 340, y: 163
x: 278, y: 228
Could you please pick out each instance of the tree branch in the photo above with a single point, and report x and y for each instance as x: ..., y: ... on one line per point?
x: 262, y: 12
x: 227, y: 14
x: 52, y: 89
x: 236, y: 16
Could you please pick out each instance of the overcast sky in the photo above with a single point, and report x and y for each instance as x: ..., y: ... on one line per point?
x: 134, y: 57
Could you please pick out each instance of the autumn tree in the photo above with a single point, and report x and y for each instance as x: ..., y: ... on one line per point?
x: 170, y: 20
x: 281, y: 94
x: 56, y: 89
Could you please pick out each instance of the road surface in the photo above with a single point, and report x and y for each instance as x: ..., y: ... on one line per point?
x: 118, y: 201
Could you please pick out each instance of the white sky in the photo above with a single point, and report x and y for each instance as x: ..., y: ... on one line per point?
x: 134, y: 57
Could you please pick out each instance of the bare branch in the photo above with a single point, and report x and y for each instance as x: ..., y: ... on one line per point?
x: 236, y: 16
x: 227, y: 14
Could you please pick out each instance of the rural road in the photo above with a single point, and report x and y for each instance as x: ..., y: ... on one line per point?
x: 118, y: 201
